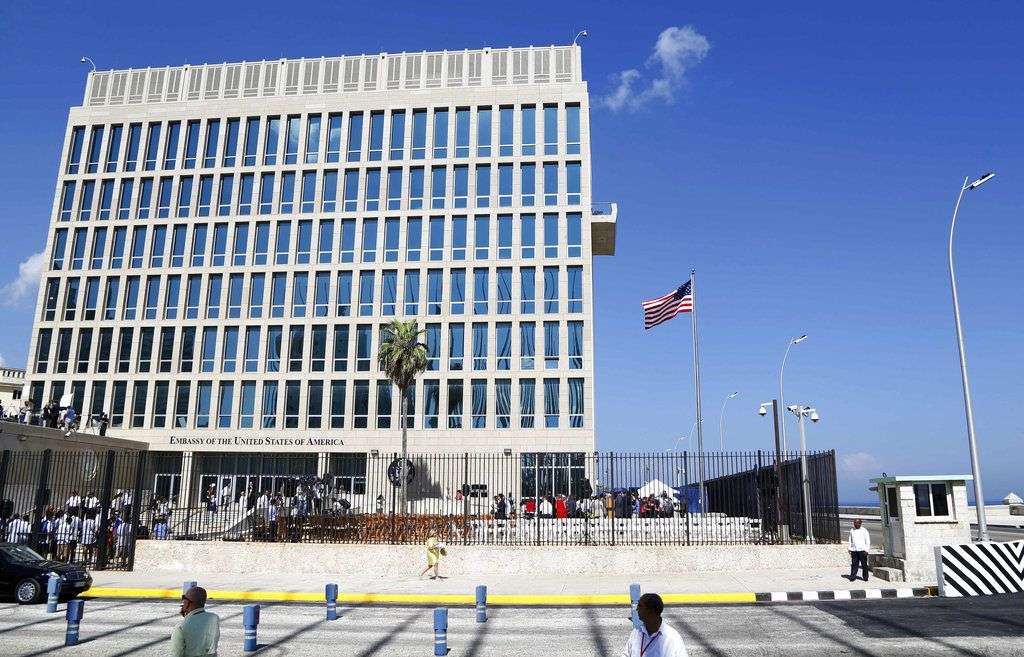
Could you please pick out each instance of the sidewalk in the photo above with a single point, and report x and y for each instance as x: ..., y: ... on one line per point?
x: 406, y: 588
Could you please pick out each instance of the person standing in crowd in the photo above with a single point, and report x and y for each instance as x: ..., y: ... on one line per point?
x: 67, y: 537
x: 198, y: 634
x: 89, y: 536
x: 225, y: 493
x: 859, y: 545
x: 74, y: 502
x: 435, y: 550
x: 250, y: 498
x: 667, y: 510
x: 91, y: 502
x: 653, y: 637
x: 546, y: 510
x: 124, y: 540
x: 160, y: 528
x: 104, y: 421
x: 380, y: 505
x: 19, y: 530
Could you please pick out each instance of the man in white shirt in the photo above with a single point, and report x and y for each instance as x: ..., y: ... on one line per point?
x: 19, y: 530
x: 654, y: 637
x: 859, y: 546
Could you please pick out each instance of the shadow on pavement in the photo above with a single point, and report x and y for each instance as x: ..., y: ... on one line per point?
x: 600, y: 644
x: 985, y: 616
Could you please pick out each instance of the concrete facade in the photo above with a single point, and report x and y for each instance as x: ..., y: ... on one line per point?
x: 12, y: 381
x: 166, y: 252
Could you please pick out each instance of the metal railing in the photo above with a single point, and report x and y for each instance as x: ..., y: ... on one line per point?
x: 506, y: 499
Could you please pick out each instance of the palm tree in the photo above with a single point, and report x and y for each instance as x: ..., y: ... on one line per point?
x: 402, y: 357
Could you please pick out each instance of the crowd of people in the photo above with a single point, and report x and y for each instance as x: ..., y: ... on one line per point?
x: 622, y: 504
x: 51, y: 415
x: 71, y: 532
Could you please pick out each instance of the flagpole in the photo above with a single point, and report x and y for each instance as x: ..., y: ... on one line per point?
x: 696, y: 386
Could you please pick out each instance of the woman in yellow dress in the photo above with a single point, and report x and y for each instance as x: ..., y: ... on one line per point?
x: 435, y: 550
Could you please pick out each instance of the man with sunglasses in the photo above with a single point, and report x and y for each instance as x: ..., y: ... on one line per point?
x: 198, y: 633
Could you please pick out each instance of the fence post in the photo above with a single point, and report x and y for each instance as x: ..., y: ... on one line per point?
x: 394, y: 457
x: 104, y: 528
x: 465, y: 498
x: 5, y: 465
x: 611, y: 477
x: 140, y: 469
x: 41, y: 491
x: 536, y: 494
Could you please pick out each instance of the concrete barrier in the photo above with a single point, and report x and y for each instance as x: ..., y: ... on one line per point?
x: 193, y: 557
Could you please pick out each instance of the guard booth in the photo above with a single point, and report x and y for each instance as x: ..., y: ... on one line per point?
x: 919, y: 513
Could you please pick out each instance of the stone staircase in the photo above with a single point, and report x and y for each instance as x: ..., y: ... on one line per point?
x: 888, y: 568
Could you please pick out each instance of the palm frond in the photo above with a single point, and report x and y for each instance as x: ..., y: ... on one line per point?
x: 402, y: 356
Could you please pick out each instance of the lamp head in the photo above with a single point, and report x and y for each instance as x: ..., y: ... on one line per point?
x: 982, y: 180
x: 735, y: 394
x: 814, y: 415
x: 763, y: 410
x: 799, y: 339
x: 82, y: 60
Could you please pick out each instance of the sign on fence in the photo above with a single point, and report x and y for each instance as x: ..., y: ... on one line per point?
x: 980, y: 569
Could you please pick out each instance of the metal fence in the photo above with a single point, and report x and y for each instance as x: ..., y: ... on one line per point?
x: 90, y: 507
x: 503, y: 499
x: 81, y: 506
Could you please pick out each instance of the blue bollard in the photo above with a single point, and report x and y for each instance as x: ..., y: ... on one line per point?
x: 185, y: 586
x: 634, y: 598
x: 331, y: 593
x: 440, y: 632
x: 250, y: 619
x: 481, y: 604
x: 74, y: 616
x: 52, y: 593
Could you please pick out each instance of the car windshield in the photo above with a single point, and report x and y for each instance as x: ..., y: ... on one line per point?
x: 20, y: 553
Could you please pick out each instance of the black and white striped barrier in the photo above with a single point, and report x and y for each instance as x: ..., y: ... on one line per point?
x: 987, y: 568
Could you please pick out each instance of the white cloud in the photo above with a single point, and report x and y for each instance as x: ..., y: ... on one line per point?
x: 859, y: 464
x: 676, y: 51
x: 25, y: 285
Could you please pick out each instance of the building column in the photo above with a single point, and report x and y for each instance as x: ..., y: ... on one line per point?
x: 323, y: 464
x: 185, y: 487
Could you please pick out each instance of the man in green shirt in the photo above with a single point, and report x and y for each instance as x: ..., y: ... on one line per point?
x: 198, y: 633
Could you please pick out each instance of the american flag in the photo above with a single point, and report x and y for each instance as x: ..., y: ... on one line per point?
x: 664, y: 308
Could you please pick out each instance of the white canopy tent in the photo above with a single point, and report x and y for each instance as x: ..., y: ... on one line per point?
x: 656, y: 487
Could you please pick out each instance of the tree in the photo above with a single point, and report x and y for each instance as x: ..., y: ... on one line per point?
x: 402, y: 357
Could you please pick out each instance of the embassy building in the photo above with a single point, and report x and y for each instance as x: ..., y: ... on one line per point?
x: 227, y: 241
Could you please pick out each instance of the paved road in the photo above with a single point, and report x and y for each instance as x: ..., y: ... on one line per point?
x: 875, y: 529
x: 989, y: 627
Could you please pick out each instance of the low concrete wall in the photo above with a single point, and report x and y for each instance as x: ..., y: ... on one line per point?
x: 28, y: 437
x: 227, y: 557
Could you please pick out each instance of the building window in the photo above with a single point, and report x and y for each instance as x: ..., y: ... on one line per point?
x: 388, y: 292
x: 376, y: 136
x: 572, y: 183
x: 483, y: 132
x: 391, y: 240
x: 572, y: 129
x: 348, y: 240
x: 355, y: 137
x: 397, y: 135
x: 456, y: 346
x: 551, y: 129
x: 503, y: 345
x: 431, y: 402
x: 291, y: 404
x: 550, y: 183
x: 340, y: 347
x: 483, y: 185
x: 364, y: 337
x: 527, y: 339
x: 479, y: 403
x: 480, y: 291
x: 433, y: 344
x: 204, y: 392
x: 337, y: 404
x: 575, y: 345
x: 314, y: 404
x: 384, y: 404
x: 274, y: 348
x: 230, y: 143
x: 225, y: 397
x: 551, y: 403
x: 454, y: 404
x: 247, y: 405
x: 361, y: 404
x: 419, y: 134
x: 434, y: 291
x: 437, y: 187
x: 413, y: 239
x: 344, y: 294
x: 551, y: 345
x: 932, y: 500
x: 551, y: 289
x: 270, y: 141
x: 412, y: 292
x: 527, y: 402
x: 333, y: 137
x: 457, y: 304
x: 529, y: 129
x: 269, y: 414
x: 527, y: 290
x: 479, y: 346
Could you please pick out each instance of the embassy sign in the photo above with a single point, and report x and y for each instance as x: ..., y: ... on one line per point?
x: 297, y: 443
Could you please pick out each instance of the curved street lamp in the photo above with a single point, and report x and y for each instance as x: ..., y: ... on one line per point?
x: 979, y: 498
x: 782, y: 398
x: 721, y: 420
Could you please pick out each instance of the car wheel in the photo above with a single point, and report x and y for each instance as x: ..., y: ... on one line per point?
x: 28, y: 591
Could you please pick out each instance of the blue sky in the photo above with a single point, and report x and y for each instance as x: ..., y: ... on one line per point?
x: 803, y: 158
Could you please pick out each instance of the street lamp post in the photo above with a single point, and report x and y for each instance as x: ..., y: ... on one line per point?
x: 783, y: 529
x: 979, y: 497
x: 782, y: 398
x: 721, y: 421
x: 801, y: 412
x: 86, y: 60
